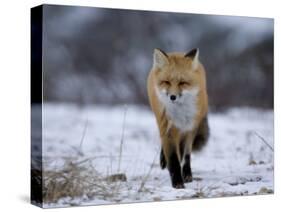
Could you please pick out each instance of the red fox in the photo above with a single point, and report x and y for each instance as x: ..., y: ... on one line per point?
x: 177, y: 94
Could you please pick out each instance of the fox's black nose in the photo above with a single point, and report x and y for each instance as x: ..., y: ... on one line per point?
x: 173, y: 97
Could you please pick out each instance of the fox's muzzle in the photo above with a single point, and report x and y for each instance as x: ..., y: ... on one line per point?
x: 173, y: 97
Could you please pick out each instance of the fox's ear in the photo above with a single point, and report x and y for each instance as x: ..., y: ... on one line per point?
x: 194, y: 55
x: 160, y: 58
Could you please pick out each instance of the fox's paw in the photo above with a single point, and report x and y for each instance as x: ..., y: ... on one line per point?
x: 188, y: 179
x: 177, y: 183
x: 187, y: 175
x: 178, y: 186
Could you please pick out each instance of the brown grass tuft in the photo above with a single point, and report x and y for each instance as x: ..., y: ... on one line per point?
x: 77, y: 178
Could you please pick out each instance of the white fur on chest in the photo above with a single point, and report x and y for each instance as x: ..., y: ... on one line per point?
x: 182, y: 112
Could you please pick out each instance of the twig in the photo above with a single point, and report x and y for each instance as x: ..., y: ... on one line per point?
x: 264, y: 141
x: 83, y: 136
x: 148, y: 173
x: 122, y: 139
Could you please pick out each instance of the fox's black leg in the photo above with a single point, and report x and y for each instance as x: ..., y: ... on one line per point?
x: 163, y: 162
x: 175, y: 171
x: 172, y: 156
x: 186, y: 169
x: 182, y: 148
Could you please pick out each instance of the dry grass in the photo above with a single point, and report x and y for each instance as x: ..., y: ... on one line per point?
x: 78, y: 178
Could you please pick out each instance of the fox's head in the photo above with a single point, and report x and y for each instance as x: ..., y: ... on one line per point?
x: 177, y: 75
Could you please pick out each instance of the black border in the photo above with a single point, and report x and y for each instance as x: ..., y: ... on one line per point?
x: 36, y: 105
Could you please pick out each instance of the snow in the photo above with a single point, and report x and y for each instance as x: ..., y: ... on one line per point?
x: 236, y: 160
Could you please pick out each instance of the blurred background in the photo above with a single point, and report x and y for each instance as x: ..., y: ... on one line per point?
x: 103, y: 56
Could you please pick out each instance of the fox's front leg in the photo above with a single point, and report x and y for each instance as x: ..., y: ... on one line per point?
x: 186, y: 169
x: 171, y: 155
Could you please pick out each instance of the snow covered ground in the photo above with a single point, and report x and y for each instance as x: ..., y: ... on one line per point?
x: 236, y: 160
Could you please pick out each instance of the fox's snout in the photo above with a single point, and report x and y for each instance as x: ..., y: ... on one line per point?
x: 177, y: 97
x: 173, y: 97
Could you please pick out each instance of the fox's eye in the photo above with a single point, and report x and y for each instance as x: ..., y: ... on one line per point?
x: 165, y: 82
x: 184, y: 83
